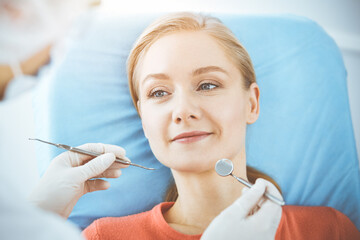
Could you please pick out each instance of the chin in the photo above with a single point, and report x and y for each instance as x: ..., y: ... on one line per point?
x: 190, y: 163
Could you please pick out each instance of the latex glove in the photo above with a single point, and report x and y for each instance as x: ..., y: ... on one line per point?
x: 68, y: 177
x: 250, y: 217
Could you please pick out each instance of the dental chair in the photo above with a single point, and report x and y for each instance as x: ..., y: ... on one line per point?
x: 303, y: 138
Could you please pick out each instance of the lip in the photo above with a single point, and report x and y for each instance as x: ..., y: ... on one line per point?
x: 188, y: 137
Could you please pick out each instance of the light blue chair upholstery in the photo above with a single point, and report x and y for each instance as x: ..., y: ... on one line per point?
x: 303, y: 138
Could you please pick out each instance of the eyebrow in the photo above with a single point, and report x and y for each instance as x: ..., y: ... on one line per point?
x: 207, y: 69
x: 196, y: 72
x: 160, y: 76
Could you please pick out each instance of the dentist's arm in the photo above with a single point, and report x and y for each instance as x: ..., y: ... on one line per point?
x: 239, y: 221
x: 68, y: 177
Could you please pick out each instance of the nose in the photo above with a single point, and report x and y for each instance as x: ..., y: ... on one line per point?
x: 185, y: 109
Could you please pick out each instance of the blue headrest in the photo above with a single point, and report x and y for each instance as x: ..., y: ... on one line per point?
x: 303, y: 137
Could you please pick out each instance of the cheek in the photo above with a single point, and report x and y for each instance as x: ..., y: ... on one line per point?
x: 148, y: 123
x: 231, y: 116
x: 153, y: 122
x: 154, y: 125
x: 231, y: 109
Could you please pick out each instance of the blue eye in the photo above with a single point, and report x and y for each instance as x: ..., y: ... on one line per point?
x: 207, y: 86
x: 158, y: 94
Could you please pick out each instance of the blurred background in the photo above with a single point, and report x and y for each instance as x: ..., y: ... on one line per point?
x: 340, y: 19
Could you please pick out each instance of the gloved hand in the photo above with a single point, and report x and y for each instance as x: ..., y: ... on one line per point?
x: 250, y: 217
x: 68, y: 177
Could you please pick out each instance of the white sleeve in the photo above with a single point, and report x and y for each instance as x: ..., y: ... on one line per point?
x: 20, y: 220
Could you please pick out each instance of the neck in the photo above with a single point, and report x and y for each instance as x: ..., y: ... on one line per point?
x: 202, y: 196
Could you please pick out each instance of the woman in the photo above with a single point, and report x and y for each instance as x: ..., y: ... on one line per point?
x: 194, y: 87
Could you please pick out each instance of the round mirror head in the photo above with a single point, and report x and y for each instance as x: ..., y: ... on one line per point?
x: 224, y: 167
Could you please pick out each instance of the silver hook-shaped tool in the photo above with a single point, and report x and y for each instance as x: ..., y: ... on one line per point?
x: 124, y: 160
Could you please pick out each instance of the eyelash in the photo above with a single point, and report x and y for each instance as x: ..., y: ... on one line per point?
x: 207, y: 83
x: 153, y: 93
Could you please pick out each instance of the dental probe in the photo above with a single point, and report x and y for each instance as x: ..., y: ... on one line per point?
x: 224, y: 167
x: 124, y: 160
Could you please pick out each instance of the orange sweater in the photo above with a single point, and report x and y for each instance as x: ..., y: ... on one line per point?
x: 296, y: 223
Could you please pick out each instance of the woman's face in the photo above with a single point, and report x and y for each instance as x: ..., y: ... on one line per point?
x: 193, y: 107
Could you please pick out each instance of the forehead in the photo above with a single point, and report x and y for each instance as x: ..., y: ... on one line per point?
x: 183, y: 52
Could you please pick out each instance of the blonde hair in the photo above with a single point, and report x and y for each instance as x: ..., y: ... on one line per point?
x: 186, y: 21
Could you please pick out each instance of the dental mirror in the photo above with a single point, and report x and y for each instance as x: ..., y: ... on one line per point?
x: 224, y: 167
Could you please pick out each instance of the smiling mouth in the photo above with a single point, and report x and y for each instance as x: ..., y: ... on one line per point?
x: 190, y: 137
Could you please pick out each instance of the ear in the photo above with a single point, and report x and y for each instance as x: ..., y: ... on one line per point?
x: 139, y: 111
x: 254, y: 109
